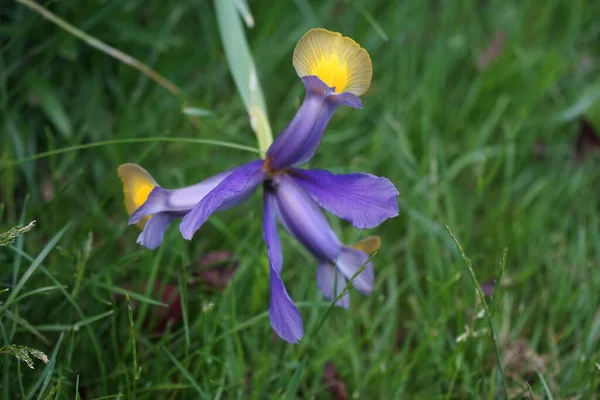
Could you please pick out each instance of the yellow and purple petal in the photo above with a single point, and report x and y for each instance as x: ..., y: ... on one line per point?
x: 137, y: 185
x: 337, y: 60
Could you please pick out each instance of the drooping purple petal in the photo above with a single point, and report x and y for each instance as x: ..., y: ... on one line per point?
x: 270, y: 234
x: 363, y: 199
x: 176, y: 200
x: 349, y: 262
x: 236, y: 187
x: 331, y: 283
x: 285, y: 317
x: 304, y: 220
x: 152, y: 235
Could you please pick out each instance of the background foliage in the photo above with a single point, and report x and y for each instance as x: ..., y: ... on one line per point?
x: 474, y: 113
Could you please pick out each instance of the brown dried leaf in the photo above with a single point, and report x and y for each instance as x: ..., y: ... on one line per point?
x: 172, y: 314
x: 520, y: 358
x: 540, y: 149
x: 218, y: 276
x: 587, y: 140
x: 333, y: 382
x: 493, y: 51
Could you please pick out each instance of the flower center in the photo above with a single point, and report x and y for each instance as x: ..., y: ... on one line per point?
x: 331, y: 70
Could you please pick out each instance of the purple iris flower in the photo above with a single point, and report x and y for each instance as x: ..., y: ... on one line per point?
x: 335, y: 71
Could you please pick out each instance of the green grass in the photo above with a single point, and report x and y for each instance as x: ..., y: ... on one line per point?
x: 458, y: 142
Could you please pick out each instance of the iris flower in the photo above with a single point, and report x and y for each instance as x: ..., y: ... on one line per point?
x: 335, y: 70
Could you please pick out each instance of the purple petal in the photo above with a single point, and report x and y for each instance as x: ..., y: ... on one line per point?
x: 286, y: 148
x: 236, y: 187
x: 285, y: 317
x: 363, y: 199
x: 154, y: 204
x: 313, y: 141
x: 331, y: 283
x: 270, y: 233
x: 186, y: 198
x: 349, y: 262
x: 346, y: 99
x: 299, y: 141
x: 176, y: 200
x: 304, y: 220
x: 154, y: 230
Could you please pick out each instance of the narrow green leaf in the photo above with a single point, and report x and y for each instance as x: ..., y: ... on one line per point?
x: 51, y: 106
x: 133, y: 295
x: 488, y: 314
x: 371, y: 20
x: 545, y: 385
x: 243, y: 70
x: 46, y: 375
x: 197, y: 112
x: 27, y: 326
x: 186, y: 374
x: 244, y: 10
x: 290, y: 393
x: 34, y: 265
x: 136, y: 370
x: 129, y: 141
x: 580, y: 107
x: 77, y: 396
x: 91, y: 320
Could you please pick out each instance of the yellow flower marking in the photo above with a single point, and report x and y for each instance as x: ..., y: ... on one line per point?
x: 338, y: 61
x: 369, y: 245
x: 137, y: 185
x: 331, y: 70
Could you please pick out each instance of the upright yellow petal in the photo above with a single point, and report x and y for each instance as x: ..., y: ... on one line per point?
x: 137, y: 185
x: 337, y: 60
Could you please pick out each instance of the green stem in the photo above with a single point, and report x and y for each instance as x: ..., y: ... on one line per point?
x: 129, y: 140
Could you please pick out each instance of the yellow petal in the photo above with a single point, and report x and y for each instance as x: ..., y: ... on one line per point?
x: 368, y: 245
x: 137, y: 185
x: 337, y: 60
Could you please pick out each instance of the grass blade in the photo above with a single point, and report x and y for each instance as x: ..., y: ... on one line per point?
x: 545, y: 385
x: 34, y: 265
x: 129, y: 141
x: 186, y: 374
x: 485, y: 307
x: 290, y: 393
x: 103, y: 47
x: 244, y: 10
x: 139, y: 297
x: 46, y: 375
x: 136, y: 370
